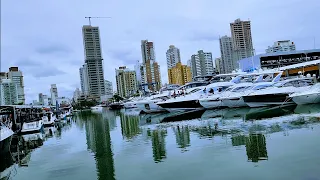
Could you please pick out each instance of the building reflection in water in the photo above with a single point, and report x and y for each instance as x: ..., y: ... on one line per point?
x: 158, y: 144
x: 182, y: 136
x: 238, y: 140
x: 99, y: 142
x: 256, y: 146
x: 130, y: 126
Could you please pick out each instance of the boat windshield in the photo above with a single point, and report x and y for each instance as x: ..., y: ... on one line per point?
x: 263, y: 86
x: 239, y: 89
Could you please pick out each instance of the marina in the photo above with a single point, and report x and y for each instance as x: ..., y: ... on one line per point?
x: 100, y: 145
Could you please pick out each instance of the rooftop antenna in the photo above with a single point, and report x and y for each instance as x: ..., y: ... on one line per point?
x: 89, y: 17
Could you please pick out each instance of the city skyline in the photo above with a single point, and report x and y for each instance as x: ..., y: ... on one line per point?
x: 54, y: 54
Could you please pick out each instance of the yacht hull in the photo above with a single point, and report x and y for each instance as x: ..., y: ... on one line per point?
x: 307, y: 99
x: 150, y: 107
x: 234, y: 102
x: 5, y: 145
x: 181, y: 105
x: 32, y: 127
x: 267, y: 100
x: 211, y: 103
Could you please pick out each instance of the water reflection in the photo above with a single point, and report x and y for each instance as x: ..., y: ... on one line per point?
x: 158, y: 144
x: 130, y: 126
x: 182, y: 136
x: 256, y: 147
x: 99, y: 142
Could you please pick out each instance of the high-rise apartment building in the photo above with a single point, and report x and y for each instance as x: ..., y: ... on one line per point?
x: 93, y: 60
x: 83, y: 71
x: 173, y: 56
x: 40, y: 98
x: 149, y: 69
x: 109, y: 88
x: 202, y: 64
x: 179, y: 74
x: 126, y: 81
x: 241, y: 40
x: 16, y: 76
x: 54, y: 94
x: 219, y: 65
x: 45, y: 100
x: 8, y: 92
x: 281, y: 46
x: 228, y: 64
x: 76, y: 95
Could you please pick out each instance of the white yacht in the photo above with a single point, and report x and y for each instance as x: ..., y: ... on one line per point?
x: 233, y: 97
x: 5, y: 138
x: 309, y: 96
x: 238, y: 84
x: 149, y: 105
x: 132, y: 103
x: 49, y: 118
x: 31, y: 126
x: 97, y: 108
x: 278, y: 94
x: 190, y: 101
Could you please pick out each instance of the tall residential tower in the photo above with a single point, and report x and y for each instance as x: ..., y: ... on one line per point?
x: 202, y: 64
x: 227, y: 64
x: 93, y: 61
x: 150, y: 69
x: 241, y: 40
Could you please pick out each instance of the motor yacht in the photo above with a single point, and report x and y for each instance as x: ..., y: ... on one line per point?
x: 240, y: 83
x: 233, y: 97
x: 5, y: 138
x: 149, y: 105
x: 279, y: 93
x: 32, y: 125
x: 97, y: 108
x: 309, y: 96
x: 49, y: 118
x: 190, y: 100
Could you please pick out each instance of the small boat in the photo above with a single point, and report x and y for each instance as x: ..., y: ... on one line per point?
x: 49, y: 118
x: 97, y: 108
x: 5, y: 138
x: 309, y: 96
x: 31, y: 126
x: 116, y: 105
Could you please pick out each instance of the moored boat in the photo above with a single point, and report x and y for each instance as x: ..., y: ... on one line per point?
x: 5, y: 138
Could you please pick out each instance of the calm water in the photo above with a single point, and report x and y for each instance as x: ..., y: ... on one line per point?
x: 248, y: 144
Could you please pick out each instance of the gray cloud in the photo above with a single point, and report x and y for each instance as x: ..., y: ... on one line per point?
x: 26, y: 63
x: 205, y: 36
x: 127, y: 56
x: 53, y: 49
x: 47, y: 72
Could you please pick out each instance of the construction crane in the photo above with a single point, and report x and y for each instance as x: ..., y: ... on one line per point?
x: 94, y: 17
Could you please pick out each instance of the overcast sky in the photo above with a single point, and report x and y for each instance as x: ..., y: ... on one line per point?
x: 43, y: 37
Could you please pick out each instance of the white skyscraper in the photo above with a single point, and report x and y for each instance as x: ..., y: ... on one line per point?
x: 202, y: 64
x: 173, y: 56
x: 76, y: 94
x: 8, y: 92
x: 54, y: 94
x: 93, y: 60
x: 126, y: 81
x: 281, y: 46
x: 228, y: 64
x: 241, y: 40
x: 16, y: 76
x: 109, y: 88
x: 83, y: 71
